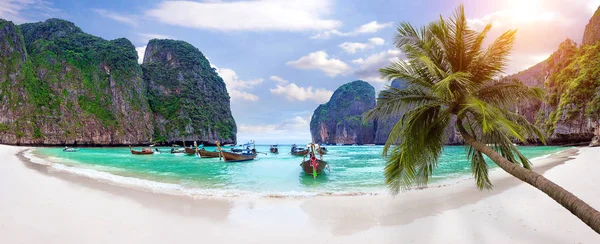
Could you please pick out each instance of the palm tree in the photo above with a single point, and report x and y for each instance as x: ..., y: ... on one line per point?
x: 452, y: 78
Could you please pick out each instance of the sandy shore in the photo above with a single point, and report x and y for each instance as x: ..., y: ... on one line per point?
x: 41, y: 205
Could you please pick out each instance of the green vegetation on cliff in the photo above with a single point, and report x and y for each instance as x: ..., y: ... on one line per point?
x: 574, y: 90
x: 59, y: 85
x: 340, y: 119
x: 67, y: 86
x: 176, y: 74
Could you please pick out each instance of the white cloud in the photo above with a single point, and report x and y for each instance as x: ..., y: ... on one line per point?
x: 279, y: 80
x: 376, y: 41
x: 352, y: 47
x: 321, y: 61
x: 256, y: 15
x: 130, y: 20
x: 295, y: 93
x: 242, y: 95
x: 14, y: 10
x: 370, y: 27
x: 141, y: 51
x: 237, y: 87
x: 145, y: 37
x: 296, y: 122
x: 369, y: 67
x: 293, y: 130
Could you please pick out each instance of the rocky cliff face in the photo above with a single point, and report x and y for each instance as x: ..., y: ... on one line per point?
x: 59, y: 85
x: 63, y: 86
x: 188, y: 99
x: 384, y: 127
x: 340, y: 119
x: 592, y: 30
x: 571, y: 103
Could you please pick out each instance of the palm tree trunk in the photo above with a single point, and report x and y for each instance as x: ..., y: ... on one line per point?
x: 576, y: 206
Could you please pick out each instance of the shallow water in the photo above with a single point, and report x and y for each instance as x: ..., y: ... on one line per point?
x: 353, y: 169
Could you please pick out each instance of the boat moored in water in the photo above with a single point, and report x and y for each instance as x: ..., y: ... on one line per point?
x: 298, y: 151
x: 70, y: 149
x: 190, y: 150
x: 313, y: 166
x: 274, y: 149
x: 243, y: 147
x: 322, y: 150
x: 144, y: 151
x: 245, y: 155
x: 208, y: 154
x: 175, y: 149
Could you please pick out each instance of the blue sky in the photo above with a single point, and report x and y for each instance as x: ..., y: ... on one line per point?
x: 281, y: 59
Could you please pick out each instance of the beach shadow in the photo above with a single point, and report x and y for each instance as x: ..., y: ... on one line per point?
x: 210, y: 208
x: 348, y: 217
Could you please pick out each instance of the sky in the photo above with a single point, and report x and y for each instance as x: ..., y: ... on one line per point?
x: 280, y: 59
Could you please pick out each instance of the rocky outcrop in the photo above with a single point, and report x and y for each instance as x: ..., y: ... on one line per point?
x: 565, y: 119
x: 69, y: 87
x: 592, y: 30
x: 339, y: 121
x: 59, y: 85
x: 189, y: 101
x: 595, y: 142
x: 383, y: 127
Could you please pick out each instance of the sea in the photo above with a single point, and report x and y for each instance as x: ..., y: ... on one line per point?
x: 353, y: 170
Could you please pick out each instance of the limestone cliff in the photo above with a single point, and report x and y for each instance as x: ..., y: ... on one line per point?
x: 591, y: 35
x: 571, y: 103
x: 60, y: 85
x: 339, y: 121
x: 189, y: 101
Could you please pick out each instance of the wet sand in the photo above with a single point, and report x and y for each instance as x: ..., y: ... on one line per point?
x: 42, y: 205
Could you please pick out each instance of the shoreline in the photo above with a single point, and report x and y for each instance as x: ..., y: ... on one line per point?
x: 45, y: 204
x: 139, y: 182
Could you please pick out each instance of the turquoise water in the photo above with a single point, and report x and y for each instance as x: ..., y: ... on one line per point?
x: 352, y: 169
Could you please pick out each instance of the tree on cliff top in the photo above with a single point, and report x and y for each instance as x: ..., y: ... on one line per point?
x: 449, y: 72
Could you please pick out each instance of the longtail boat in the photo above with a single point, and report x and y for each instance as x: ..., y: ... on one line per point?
x: 175, y: 149
x: 208, y: 154
x: 242, y: 147
x: 323, y: 150
x: 298, y: 151
x: 274, y: 149
x: 145, y: 151
x: 70, y: 149
x: 190, y: 150
x: 313, y: 166
x: 237, y: 157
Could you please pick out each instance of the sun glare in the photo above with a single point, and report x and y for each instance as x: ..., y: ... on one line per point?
x: 526, y: 11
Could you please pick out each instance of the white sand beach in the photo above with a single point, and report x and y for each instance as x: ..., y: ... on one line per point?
x: 41, y: 205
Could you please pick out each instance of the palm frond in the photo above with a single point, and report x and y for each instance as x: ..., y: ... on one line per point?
x: 393, y: 101
x: 479, y: 168
x: 494, y: 60
x: 455, y: 83
x: 507, y: 94
x: 422, y: 139
x: 404, y: 71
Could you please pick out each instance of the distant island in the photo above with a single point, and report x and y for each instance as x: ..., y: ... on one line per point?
x: 340, y: 121
x: 61, y: 86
